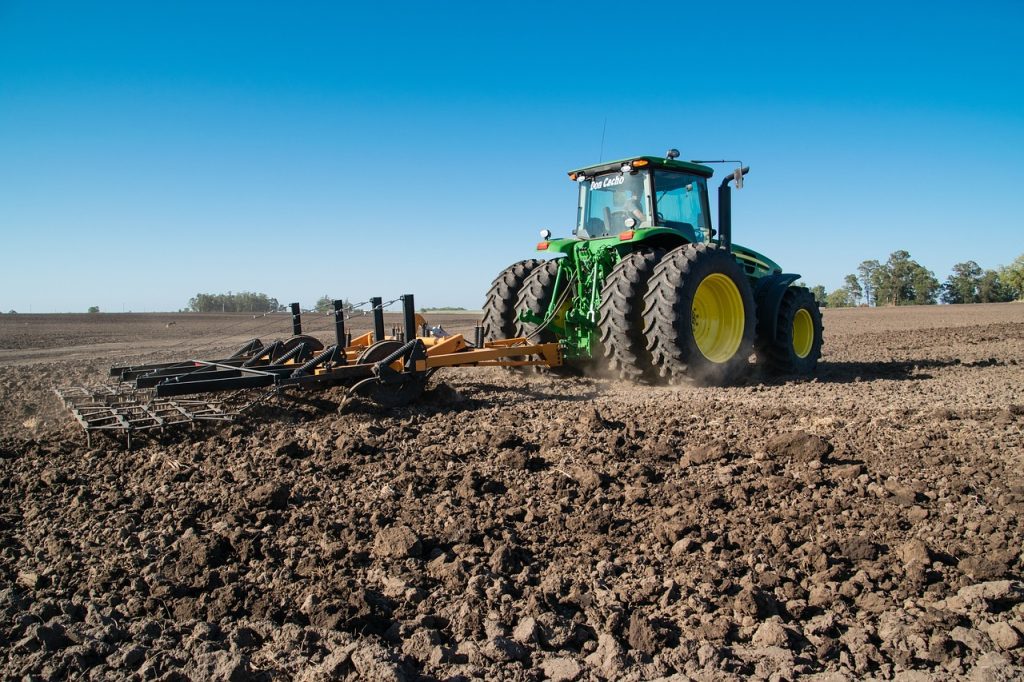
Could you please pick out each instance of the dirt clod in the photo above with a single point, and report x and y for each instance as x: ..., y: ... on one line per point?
x: 1004, y: 635
x: 705, y: 454
x: 799, y: 446
x: 270, y: 495
x: 989, y: 566
x: 915, y: 551
x: 397, y: 542
x: 561, y: 669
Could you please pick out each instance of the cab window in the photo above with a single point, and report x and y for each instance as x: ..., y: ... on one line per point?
x: 679, y: 201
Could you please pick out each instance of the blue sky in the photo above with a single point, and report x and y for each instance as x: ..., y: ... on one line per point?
x: 151, y: 151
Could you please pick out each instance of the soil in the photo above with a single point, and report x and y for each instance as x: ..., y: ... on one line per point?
x: 520, y: 526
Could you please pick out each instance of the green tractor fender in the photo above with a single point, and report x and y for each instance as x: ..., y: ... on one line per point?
x: 768, y: 292
x: 665, y: 238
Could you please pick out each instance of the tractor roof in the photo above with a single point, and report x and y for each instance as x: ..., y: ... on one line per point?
x: 652, y: 162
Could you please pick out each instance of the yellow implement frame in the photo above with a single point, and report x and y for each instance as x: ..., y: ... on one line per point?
x: 454, y: 351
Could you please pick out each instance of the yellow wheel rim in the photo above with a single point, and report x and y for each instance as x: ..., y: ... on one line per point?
x: 803, y: 333
x: 718, y: 318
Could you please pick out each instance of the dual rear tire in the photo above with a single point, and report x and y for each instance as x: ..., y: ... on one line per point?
x: 699, y: 317
x: 796, y: 346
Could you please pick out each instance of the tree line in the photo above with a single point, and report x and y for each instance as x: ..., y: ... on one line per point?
x: 241, y: 302
x: 903, y: 281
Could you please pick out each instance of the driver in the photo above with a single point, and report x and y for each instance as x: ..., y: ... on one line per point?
x: 626, y: 201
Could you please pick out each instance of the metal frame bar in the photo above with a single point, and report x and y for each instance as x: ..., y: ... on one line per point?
x: 377, y: 308
x: 340, y: 337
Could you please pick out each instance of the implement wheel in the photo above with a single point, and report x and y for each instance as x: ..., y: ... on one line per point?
x: 313, y: 346
x: 499, y: 319
x: 623, y: 345
x: 796, y: 347
x: 699, y: 316
x: 397, y: 394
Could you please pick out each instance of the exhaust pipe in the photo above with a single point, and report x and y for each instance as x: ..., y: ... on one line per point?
x: 725, y: 206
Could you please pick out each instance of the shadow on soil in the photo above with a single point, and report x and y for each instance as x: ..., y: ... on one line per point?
x: 896, y: 370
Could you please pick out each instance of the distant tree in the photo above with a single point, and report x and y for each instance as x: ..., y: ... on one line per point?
x: 325, y: 304
x: 897, y: 285
x: 242, y: 302
x: 841, y: 298
x: 867, y: 272
x: 819, y: 294
x: 881, y: 283
x: 962, y: 285
x: 903, y: 281
x: 853, y: 287
x: 94, y: 309
x: 991, y: 288
x: 924, y: 287
x: 1011, y: 278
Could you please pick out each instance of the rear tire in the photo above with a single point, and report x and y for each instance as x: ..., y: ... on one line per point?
x: 623, y: 345
x: 799, y: 333
x: 499, y: 320
x: 699, y: 315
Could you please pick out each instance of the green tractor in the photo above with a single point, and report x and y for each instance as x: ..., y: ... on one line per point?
x: 647, y: 288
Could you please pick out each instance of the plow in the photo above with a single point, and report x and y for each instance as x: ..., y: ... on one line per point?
x: 644, y: 287
x: 388, y: 369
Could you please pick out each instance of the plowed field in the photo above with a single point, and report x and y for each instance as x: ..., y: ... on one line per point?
x: 522, y: 526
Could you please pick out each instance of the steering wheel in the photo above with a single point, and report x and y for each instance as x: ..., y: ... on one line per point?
x: 660, y: 217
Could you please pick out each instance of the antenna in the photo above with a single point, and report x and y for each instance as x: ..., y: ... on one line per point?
x: 600, y: 157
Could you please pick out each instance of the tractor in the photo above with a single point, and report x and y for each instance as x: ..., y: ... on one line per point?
x: 648, y: 289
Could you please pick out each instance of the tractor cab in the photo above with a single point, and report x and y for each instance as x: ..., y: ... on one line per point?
x: 643, y: 193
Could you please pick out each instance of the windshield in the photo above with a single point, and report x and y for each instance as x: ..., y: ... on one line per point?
x: 608, y: 201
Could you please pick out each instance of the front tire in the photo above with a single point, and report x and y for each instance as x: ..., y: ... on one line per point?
x: 799, y: 334
x: 699, y: 315
x: 499, y: 319
x: 536, y: 296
